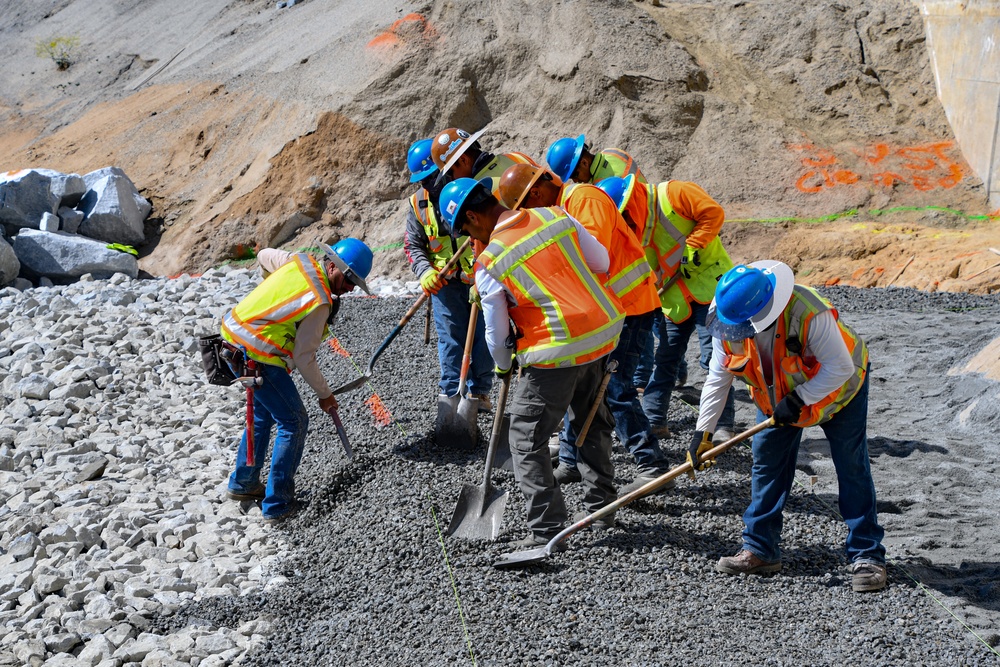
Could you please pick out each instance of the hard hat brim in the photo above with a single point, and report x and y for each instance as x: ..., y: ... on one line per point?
x: 461, y: 151
x: 724, y: 331
x: 351, y: 276
x: 524, y: 193
x: 783, y: 279
x: 630, y: 182
x: 421, y: 175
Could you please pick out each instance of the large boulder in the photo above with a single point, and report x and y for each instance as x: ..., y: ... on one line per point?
x: 24, y: 196
x: 70, y: 188
x: 114, y: 209
x: 62, y: 256
x: 10, y: 266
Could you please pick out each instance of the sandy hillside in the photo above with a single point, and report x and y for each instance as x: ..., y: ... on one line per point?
x: 247, y: 124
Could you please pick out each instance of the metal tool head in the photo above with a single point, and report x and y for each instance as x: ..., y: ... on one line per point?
x: 456, y: 424
x: 352, y: 385
x: 519, y: 559
x: 478, y: 516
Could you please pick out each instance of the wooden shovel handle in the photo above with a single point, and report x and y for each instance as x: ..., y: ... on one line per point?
x: 470, y: 338
x: 610, y: 368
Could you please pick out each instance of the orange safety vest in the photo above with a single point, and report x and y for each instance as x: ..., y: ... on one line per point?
x: 614, y: 162
x: 264, y: 322
x: 441, y: 248
x: 792, y: 364
x: 565, y: 316
x: 629, y: 277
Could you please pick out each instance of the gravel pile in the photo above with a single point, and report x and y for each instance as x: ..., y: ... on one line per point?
x: 118, y: 548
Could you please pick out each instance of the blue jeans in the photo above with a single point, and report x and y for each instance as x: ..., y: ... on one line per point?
x: 277, y: 401
x: 451, y: 320
x: 673, y: 344
x: 774, y: 454
x: 631, y: 423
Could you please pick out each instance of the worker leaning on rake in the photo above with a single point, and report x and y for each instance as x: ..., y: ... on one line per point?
x: 538, y: 269
x: 804, y: 367
x: 279, y: 326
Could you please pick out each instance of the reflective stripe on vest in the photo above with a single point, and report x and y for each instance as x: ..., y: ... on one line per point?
x: 565, y: 315
x: 441, y: 248
x: 264, y: 322
x: 614, y: 162
x: 794, y: 368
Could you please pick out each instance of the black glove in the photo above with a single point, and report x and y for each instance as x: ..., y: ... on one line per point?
x: 501, y: 374
x: 700, y: 443
x: 789, y: 409
x: 689, y: 259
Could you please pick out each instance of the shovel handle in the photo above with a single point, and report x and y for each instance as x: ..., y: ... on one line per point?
x: 674, y: 278
x: 470, y: 338
x: 491, y: 451
x: 427, y: 324
x: 610, y: 368
x: 250, y: 444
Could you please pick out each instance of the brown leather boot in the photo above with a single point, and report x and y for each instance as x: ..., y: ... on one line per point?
x: 746, y: 563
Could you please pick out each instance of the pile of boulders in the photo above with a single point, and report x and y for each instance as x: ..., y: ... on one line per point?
x: 57, y: 227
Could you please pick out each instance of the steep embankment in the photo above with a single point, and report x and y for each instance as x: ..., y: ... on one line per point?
x: 247, y: 124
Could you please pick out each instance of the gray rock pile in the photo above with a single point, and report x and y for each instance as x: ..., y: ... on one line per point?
x: 61, y: 224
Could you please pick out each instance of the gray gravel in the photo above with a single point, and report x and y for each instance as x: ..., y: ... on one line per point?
x: 369, y: 583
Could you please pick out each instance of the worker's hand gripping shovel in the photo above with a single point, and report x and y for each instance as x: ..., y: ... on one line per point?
x: 354, y: 384
x: 525, y: 558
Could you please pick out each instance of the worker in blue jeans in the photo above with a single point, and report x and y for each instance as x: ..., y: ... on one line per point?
x: 804, y: 367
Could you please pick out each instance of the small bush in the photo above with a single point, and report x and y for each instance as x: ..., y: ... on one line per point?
x: 62, y: 50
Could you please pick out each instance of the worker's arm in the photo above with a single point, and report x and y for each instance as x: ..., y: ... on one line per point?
x: 272, y: 259
x: 493, y: 301
x: 827, y: 345
x: 594, y: 253
x: 693, y: 203
x: 416, y: 244
x: 308, y: 338
x: 715, y: 391
x: 593, y: 209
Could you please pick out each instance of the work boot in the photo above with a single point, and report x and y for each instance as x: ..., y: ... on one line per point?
x: 722, y: 435
x: 746, y: 562
x: 606, y: 523
x: 644, y: 477
x: 293, y: 509
x: 566, y: 474
x: 484, y: 403
x: 660, y: 431
x: 867, y: 576
x: 682, y: 377
x: 253, y: 495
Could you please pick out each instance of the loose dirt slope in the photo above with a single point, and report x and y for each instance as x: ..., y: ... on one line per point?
x: 246, y: 124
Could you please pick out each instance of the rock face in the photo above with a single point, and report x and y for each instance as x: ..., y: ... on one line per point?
x: 114, y: 210
x: 69, y: 188
x: 25, y: 196
x: 10, y: 265
x: 62, y: 256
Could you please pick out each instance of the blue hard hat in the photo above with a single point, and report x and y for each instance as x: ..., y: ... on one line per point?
x: 353, y: 258
x: 457, y: 194
x: 418, y: 160
x: 563, y: 156
x: 619, y: 189
x: 742, y: 293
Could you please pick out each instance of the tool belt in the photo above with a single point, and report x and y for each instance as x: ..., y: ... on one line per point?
x: 216, y: 355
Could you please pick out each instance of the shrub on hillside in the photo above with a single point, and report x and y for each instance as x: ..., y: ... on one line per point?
x: 61, y: 49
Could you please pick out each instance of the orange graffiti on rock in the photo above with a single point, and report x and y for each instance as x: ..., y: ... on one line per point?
x: 924, y: 167
x: 403, y: 31
x: 381, y: 414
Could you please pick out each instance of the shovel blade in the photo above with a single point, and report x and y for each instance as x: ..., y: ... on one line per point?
x: 519, y: 559
x: 352, y: 385
x: 454, y: 426
x: 478, y: 515
x: 502, y: 459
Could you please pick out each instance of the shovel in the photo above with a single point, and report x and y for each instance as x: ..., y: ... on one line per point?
x: 524, y: 558
x: 354, y: 384
x: 609, y: 368
x: 479, y: 510
x: 457, y: 415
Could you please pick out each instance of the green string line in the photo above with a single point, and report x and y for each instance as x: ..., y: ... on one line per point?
x: 444, y: 549
x: 895, y: 563
x: 872, y: 212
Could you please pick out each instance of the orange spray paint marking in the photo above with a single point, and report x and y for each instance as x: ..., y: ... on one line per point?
x: 403, y: 29
x: 925, y: 167
x: 337, y: 348
x: 381, y: 414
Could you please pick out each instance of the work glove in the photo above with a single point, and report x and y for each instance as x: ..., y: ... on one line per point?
x: 700, y: 443
x: 501, y: 374
x: 328, y: 404
x: 475, y: 298
x: 789, y: 409
x: 431, y: 282
x: 689, y: 260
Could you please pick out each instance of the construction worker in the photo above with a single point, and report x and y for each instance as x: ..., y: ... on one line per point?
x: 629, y: 278
x: 458, y: 155
x: 680, y: 231
x: 538, y: 269
x: 804, y: 367
x: 279, y: 326
x: 429, y: 248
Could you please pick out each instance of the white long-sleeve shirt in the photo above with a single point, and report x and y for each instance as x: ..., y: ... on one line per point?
x: 496, y: 299
x: 308, y: 332
x: 824, y: 343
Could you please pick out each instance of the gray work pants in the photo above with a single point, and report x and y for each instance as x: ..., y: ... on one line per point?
x: 542, y: 397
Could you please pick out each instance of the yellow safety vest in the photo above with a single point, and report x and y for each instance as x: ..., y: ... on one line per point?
x: 441, y: 248
x: 499, y: 164
x: 264, y: 322
x: 614, y: 162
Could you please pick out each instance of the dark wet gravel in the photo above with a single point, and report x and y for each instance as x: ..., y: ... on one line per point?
x: 369, y: 583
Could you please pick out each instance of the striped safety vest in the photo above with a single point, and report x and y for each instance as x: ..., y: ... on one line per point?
x: 264, y: 322
x: 441, y: 248
x: 629, y: 277
x: 664, y: 238
x: 792, y: 365
x: 498, y: 165
x: 563, y: 313
x: 614, y: 162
